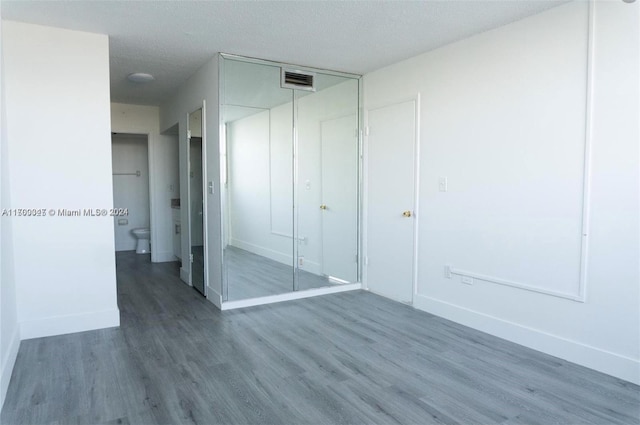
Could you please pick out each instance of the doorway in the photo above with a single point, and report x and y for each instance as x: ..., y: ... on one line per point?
x: 130, y: 164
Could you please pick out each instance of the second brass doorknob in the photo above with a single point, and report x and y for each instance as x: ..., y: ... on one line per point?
x: 406, y: 214
x: 323, y: 207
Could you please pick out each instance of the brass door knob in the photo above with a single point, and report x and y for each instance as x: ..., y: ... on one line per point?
x: 406, y: 214
x: 323, y: 207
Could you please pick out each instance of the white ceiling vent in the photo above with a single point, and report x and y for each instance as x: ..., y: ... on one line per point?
x: 298, y: 80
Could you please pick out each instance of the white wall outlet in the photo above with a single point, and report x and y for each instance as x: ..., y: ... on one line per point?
x: 447, y: 271
x: 307, y: 184
x: 210, y: 188
x: 442, y: 184
x: 468, y: 280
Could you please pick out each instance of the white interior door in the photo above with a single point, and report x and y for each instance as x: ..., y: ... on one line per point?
x: 339, y: 198
x: 391, y: 195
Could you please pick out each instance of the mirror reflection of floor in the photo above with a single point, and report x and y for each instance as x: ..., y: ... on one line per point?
x: 197, y: 267
x: 250, y: 276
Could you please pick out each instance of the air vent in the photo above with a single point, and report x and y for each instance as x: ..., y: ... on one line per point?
x: 298, y: 80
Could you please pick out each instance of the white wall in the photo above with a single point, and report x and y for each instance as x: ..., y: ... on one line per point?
x: 163, y: 170
x: 502, y: 116
x: 9, y: 328
x: 130, y: 192
x: 201, y: 87
x: 58, y: 137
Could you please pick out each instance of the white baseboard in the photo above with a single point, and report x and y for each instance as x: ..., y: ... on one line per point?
x: 284, y: 258
x: 60, y: 325
x: 215, y: 297
x: 184, y: 276
x: 8, y: 361
x: 250, y: 302
x: 263, y: 252
x: 163, y: 257
x: 594, y: 358
x: 311, y: 267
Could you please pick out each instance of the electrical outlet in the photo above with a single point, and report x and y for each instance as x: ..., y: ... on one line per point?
x: 468, y: 280
x: 447, y: 271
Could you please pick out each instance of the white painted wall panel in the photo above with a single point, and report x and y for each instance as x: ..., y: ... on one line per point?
x: 9, y: 327
x: 58, y: 132
x: 503, y: 118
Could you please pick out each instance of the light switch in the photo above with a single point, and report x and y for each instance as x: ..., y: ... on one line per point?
x: 442, y: 184
x: 307, y: 184
x: 210, y: 187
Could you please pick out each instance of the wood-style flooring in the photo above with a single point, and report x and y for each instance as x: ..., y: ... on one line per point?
x: 252, y: 276
x: 348, y: 358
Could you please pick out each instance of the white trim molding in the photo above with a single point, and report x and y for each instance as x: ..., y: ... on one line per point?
x: 580, y: 294
x: 585, y: 355
x: 214, y: 297
x: 271, y: 254
x: 7, y: 364
x: 60, y: 325
x: 453, y: 271
x: 289, y: 296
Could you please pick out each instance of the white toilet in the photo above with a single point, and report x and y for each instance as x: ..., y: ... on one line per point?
x: 142, y: 234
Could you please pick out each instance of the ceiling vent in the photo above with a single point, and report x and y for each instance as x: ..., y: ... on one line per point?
x: 297, y: 80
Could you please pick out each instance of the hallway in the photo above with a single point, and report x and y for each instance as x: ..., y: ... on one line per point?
x: 346, y: 358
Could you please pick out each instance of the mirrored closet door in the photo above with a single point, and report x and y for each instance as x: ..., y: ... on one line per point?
x: 196, y: 200
x: 290, y: 178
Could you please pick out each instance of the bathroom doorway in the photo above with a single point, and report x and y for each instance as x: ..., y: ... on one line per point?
x: 130, y: 164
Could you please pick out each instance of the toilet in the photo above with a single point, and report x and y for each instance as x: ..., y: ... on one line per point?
x: 142, y: 234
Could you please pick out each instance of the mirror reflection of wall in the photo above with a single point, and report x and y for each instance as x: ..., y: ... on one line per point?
x: 290, y: 221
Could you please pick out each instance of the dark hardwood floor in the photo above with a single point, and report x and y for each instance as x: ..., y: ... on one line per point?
x: 348, y: 358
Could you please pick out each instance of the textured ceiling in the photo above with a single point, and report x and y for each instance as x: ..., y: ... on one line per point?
x: 172, y: 39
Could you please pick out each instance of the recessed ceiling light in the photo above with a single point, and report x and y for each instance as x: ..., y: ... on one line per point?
x: 140, y: 77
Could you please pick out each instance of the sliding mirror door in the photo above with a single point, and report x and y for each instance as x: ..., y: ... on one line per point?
x: 196, y: 200
x: 327, y: 182
x: 290, y: 178
x: 257, y: 177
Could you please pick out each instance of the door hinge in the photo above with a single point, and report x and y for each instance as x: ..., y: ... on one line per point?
x: 366, y: 131
x: 191, y: 258
x: 188, y: 134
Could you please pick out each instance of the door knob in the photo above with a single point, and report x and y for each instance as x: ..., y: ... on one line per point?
x: 323, y: 207
x: 406, y: 214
